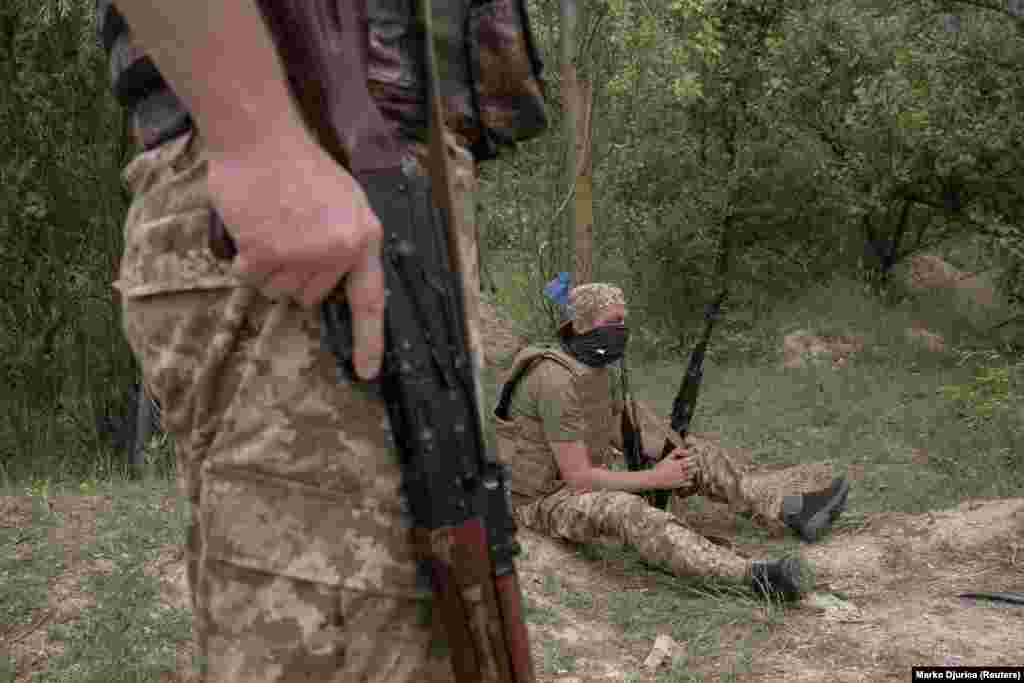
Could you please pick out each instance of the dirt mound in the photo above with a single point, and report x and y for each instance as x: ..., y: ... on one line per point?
x: 885, y: 600
x: 928, y: 272
x: 932, y: 341
x: 904, y: 573
x: 802, y: 347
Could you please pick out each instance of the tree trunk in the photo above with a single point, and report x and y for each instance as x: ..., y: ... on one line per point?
x: 576, y: 98
x: 584, y: 230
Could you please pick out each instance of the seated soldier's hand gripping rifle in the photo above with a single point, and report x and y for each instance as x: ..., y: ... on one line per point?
x: 457, y: 494
x: 683, y: 407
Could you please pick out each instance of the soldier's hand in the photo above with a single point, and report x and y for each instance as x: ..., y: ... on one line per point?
x: 676, y: 470
x: 300, y: 224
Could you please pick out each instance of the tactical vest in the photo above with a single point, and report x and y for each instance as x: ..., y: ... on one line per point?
x: 521, y: 443
x: 489, y: 65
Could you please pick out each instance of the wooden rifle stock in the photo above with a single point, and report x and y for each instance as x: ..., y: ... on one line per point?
x: 501, y: 603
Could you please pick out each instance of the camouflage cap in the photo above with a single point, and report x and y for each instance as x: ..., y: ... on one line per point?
x: 587, y: 303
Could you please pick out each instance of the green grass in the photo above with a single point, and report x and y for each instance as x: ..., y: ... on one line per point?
x: 693, y: 611
x: 25, y: 574
x: 126, y: 636
x: 880, y: 412
x: 924, y: 430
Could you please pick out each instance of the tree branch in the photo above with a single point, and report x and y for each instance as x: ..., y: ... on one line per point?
x: 991, y: 7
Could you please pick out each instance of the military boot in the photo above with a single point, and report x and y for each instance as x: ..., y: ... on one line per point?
x: 779, y: 579
x: 808, y: 514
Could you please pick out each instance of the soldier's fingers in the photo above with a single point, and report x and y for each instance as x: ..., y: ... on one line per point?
x: 364, y: 290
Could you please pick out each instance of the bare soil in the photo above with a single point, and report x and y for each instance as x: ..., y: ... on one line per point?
x: 898, y: 577
x: 886, y: 594
x: 29, y: 644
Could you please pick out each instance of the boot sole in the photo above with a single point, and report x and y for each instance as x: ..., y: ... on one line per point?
x: 823, y: 517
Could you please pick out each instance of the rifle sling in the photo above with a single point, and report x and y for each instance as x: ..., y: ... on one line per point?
x: 501, y: 410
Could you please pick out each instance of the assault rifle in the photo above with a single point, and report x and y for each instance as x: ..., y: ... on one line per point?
x: 456, y: 493
x: 686, y: 400
x: 683, y: 407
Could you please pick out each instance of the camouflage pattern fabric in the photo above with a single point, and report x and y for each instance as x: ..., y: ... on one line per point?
x: 395, y: 74
x: 756, y: 493
x: 298, y: 554
x: 587, y: 303
x: 504, y: 70
x: 502, y: 92
x: 660, y: 537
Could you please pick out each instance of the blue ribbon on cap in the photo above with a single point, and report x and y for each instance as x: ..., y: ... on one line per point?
x: 558, y: 290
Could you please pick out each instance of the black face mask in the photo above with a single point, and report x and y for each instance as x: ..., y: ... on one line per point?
x: 600, y: 347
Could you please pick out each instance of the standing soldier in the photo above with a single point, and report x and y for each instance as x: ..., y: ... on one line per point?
x: 299, y: 556
x: 556, y: 425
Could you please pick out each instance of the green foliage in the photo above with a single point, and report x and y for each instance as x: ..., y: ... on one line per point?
x: 63, y: 358
x: 996, y: 388
x: 802, y: 130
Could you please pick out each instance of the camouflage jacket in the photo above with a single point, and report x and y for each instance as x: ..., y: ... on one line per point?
x: 490, y: 71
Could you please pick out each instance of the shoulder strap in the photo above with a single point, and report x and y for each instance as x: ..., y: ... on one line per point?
x: 523, y: 367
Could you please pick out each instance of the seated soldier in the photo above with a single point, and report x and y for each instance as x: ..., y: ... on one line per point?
x: 555, y: 420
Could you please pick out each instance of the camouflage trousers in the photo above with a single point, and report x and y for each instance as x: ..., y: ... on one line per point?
x: 661, y: 537
x: 299, y: 558
x: 755, y: 493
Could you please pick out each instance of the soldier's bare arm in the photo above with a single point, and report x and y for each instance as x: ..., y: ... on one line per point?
x: 300, y: 221
x: 578, y: 471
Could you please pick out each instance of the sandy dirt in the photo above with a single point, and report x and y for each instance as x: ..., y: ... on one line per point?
x: 898, y: 577
x: 885, y: 597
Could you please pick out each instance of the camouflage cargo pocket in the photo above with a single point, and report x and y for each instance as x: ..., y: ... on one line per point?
x: 287, y: 528
x: 166, y: 232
